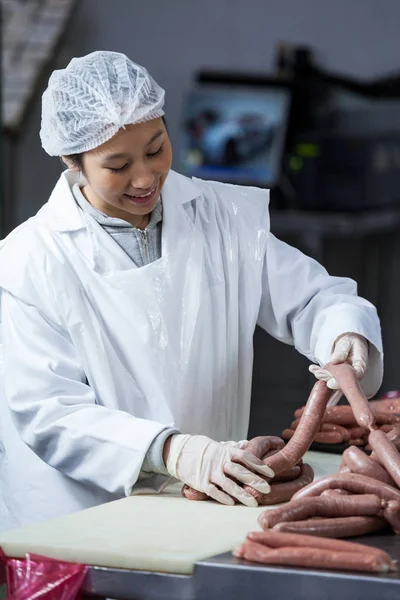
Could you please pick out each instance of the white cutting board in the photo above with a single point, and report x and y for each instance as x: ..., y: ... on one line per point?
x: 154, y: 533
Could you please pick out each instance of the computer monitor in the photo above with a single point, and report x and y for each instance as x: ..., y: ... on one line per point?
x: 235, y: 133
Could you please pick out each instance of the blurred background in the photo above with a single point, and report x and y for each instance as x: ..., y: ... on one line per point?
x: 298, y: 96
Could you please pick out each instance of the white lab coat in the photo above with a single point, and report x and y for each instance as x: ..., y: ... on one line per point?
x: 100, y: 356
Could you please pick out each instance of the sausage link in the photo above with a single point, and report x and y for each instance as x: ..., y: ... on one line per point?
x: 387, y: 453
x: 386, y: 428
x: 191, y: 494
x: 347, y: 379
x: 289, y: 475
x: 392, y: 515
x: 384, y: 418
x: 283, y: 492
x: 359, y: 462
x: 305, y: 432
x: 322, y: 437
x: 356, y: 442
x: 357, y: 432
x: 287, y: 434
x: 338, y: 415
x: 386, y: 404
x: 344, y: 469
x: 261, y: 445
x: 332, y: 427
x: 312, y: 557
x: 357, y: 484
x: 329, y: 437
x: 277, y: 539
x: 337, y: 492
x: 335, y: 527
x: 327, y: 506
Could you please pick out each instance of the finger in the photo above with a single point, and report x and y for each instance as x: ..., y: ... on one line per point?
x: 253, y: 463
x: 360, y: 367
x: 243, y: 444
x: 320, y: 373
x: 234, y: 490
x: 341, y: 351
x: 247, y: 477
x: 314, y: 369
x: 334, y: 399
x: 219, y: 495
x: 332, y: 384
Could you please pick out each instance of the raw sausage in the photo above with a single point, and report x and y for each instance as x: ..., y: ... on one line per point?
x: 336, y: 527
x: 191, y: 494
x: 312, y: 557
x: 357, y: 484
x: 357, y: 432
x: 336, y: 492
x: 328, y: 427
x: 329, y: 437
x: 327, y: 506
x: 283, y: 492
x: 289, y: 475
x: 277, y: 539
x: 332, y: 427
x: 322, y: 437
x: 259, y: 446
x: 356, y: 442
x: 347, y: 379
x: 338, y: 415
x: 359, y: 462
x: 387, y: 453
x: 392, y: 515
x: 305, y: 432
x: 386, y: 404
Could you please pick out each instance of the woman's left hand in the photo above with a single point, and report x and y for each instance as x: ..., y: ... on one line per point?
x: 351, y: 348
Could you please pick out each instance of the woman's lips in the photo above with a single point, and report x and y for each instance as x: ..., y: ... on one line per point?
x: 143, y: 199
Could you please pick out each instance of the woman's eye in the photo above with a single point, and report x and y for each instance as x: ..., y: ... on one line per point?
x: 114, y: 170
x: 152, y: 154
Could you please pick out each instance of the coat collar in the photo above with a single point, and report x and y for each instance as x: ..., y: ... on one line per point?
x: 64, y: 215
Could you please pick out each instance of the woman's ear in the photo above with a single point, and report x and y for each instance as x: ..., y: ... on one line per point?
x: 70, y: 164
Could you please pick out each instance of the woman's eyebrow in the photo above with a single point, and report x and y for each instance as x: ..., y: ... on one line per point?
x: 124, y: 155
x: 117, y: 155
x: 155, y: 136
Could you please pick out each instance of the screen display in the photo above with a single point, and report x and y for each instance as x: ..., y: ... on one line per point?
x: 234, y: 134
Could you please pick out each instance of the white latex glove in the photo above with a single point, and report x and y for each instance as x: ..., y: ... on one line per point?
x: 204, y: 464
x: 351, y: 348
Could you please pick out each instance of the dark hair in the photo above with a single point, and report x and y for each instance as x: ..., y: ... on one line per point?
x: 77, y: 159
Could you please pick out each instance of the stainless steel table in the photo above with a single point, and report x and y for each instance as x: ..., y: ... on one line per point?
x: 223, y: 577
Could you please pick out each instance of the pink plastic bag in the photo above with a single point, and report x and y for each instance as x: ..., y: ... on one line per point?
x: 40, y: 578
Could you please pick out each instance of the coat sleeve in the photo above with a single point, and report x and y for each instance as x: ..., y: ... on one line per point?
x: 303, y: 305
x: 55, y: 411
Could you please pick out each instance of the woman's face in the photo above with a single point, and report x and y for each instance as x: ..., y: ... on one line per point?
x: 126, y: 174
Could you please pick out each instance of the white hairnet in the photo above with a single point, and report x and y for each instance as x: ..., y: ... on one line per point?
x: 86, y: 104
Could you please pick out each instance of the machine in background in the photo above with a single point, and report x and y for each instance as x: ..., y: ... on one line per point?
x: 320, y: 142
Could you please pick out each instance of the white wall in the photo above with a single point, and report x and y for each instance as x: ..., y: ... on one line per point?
x: 173, y: 38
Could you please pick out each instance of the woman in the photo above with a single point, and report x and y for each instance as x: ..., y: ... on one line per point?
x: 129, y: 304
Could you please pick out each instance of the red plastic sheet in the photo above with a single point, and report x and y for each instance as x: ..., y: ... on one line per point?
x: 40, y: 578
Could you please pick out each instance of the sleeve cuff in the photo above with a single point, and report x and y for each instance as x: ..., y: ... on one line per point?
x: 351, y: 319
x: 153, y: 461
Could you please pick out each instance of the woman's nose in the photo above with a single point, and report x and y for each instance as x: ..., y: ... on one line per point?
x: 142, y: 177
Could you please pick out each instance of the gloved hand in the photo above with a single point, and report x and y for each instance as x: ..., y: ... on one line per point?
x: 351, y: 348
x: 204, y: 464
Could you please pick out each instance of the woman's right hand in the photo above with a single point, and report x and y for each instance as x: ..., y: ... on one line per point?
x: 211, y: 467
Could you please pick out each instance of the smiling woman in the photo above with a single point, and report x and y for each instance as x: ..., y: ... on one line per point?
x: 128, y: 309
x: 126, y: 174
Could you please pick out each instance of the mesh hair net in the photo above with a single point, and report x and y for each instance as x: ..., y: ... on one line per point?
x: 86, y: 103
